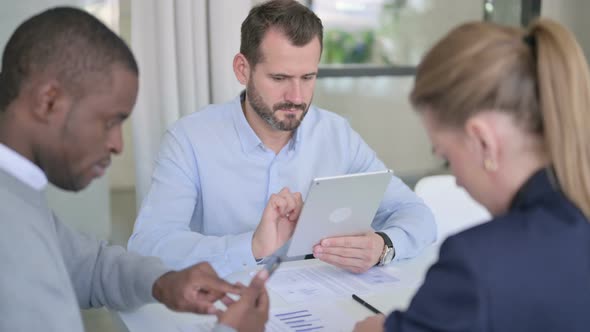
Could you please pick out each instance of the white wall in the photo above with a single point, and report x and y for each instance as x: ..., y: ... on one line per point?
x: 121, y: 174
x: 574, y: 15
x: 87, y: 211
x: 378, y: 109
x: 224, y: 45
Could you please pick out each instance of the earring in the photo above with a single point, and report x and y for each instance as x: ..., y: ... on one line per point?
x: 490, y: 165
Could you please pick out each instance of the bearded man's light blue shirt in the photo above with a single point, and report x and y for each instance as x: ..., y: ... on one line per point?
x: 213, y: 177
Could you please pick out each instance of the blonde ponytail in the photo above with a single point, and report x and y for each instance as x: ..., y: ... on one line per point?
x: 564, y: 94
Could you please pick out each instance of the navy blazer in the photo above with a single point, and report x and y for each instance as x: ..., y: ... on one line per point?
x: 528, y: 270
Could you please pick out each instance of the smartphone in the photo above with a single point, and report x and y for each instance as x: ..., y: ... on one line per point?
x: 272, y: 264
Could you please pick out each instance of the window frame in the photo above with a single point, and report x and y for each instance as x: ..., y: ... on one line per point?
x: 530, y: 9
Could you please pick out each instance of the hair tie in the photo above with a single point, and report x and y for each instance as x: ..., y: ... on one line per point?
x: 531, y: 42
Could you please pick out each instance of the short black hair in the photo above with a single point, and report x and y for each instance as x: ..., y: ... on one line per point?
x: 64, y: 41
x: 299, y: 23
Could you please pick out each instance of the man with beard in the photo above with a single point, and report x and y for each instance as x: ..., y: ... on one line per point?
x: 218, y: 167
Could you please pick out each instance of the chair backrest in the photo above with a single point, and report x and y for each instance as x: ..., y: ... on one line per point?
x: 454, y: 210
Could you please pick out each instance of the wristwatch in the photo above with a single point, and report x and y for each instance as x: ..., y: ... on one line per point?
x: 388, y: 250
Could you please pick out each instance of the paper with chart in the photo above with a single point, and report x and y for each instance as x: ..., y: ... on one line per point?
x: 302, y: 319
x: 298, y: 284
x: 296, y: 319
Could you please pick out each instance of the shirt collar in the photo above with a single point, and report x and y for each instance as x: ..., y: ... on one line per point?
x: 248, y: 137
x: 539, y: 185
x: 22, y: 168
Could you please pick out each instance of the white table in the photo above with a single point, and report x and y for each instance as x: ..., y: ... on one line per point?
x: 156, y: 317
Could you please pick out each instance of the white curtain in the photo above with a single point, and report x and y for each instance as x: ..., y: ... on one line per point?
x: 185, y: 50
x: 169, y: 39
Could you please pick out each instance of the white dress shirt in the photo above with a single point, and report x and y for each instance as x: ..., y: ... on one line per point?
x: 22, y: 168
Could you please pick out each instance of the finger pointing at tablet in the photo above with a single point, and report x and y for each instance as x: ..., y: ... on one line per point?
x: 277, y: 224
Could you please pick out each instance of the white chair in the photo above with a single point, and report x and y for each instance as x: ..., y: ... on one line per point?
x: 454, y: 210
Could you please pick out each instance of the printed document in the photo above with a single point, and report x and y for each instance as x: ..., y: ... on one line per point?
x: 308, y: 319
x: 299, y: 284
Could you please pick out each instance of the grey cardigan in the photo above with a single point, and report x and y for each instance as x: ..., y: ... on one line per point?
x: 48, y: 271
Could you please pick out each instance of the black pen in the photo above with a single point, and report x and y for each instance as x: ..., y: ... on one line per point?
x: 365, y: 304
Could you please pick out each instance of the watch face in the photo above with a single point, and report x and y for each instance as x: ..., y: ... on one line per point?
x: 388, y: 256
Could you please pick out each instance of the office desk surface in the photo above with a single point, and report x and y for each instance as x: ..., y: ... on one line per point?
x: 156, y: 317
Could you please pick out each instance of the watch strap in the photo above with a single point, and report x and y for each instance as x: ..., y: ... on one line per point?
x: 386, y: 239
x: 388, y: 246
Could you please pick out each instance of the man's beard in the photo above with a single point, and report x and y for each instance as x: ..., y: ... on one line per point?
x: 289, y: 124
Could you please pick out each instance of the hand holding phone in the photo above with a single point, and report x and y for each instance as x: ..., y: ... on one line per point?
x: 272, y: 264
x: 250, y: 311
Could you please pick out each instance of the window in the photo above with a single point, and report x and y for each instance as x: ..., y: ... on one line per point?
x: 388, y: 37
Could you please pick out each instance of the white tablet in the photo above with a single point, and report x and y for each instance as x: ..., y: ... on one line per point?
x: 338, y: 206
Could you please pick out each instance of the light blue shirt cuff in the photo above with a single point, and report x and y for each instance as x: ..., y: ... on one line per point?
x: 239, y: 254
x: 399, y: 238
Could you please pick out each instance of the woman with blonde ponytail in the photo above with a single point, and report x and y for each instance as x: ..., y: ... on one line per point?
x: 510, y: 111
